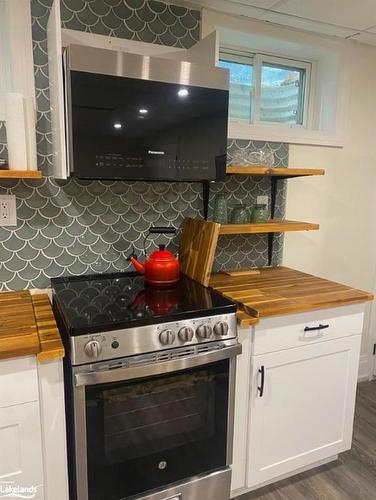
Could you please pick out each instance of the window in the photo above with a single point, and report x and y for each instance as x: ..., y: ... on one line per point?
x: 265, y: 89
x: 241, y: 84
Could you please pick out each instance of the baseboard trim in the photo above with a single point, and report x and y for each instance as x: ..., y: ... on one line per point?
x: 242, y: 491
x: 363, y: 373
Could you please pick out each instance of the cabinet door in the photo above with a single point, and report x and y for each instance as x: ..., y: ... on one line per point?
x: 306, y: 411
x: 20, y: 445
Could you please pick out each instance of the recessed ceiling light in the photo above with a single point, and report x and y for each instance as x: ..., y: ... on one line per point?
x: 118, y: 125
x: 143, y: 111
x: 183, y: 93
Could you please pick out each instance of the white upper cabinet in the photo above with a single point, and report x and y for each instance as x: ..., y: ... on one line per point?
x: 17, y: 88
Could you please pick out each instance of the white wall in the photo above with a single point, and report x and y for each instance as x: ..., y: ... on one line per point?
x: 344, y: 200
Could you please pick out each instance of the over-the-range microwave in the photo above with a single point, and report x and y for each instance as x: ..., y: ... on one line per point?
x: 135, y: 117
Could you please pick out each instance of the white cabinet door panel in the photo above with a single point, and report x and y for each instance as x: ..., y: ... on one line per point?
x: 307, y: 409
x: 18, y: 381
x: 20, y: 445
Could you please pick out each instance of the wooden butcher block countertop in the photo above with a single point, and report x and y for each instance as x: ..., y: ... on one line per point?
x: 280, y: 290
x: 27, y: 327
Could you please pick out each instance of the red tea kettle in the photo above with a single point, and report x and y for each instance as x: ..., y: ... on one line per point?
x: 160, y: 269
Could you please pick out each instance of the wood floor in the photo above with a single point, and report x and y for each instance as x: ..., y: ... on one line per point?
x: 351, y: 477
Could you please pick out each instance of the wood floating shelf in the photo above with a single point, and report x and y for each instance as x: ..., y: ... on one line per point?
x: 20, y: 174
x: 283, y: 172
x: 272, y: 226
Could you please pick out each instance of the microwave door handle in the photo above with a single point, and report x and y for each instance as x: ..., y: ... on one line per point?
x: 147, y: 370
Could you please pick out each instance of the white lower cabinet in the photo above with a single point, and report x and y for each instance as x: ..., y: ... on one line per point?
x: 295, y: 394
x: 21, y: 462
x: 301, y: 407
x: 32, y: 430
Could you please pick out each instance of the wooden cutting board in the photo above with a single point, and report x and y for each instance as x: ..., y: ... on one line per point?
x: 197, y: 249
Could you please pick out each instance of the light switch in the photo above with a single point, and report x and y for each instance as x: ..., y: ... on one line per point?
x: 8, y: 216
x: 263, y: 200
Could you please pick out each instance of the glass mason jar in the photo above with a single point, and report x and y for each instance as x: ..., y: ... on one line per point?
x: 259, y: 214
x: 239, y: 215
x: 220, y: 212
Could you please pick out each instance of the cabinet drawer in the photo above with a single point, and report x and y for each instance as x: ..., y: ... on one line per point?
x: 18, y: 381
x: 295, y: 330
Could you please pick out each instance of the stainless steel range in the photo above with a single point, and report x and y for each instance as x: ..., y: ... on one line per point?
x: 150, y: 380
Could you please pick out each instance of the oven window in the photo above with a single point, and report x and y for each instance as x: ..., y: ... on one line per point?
x: 148, y: 433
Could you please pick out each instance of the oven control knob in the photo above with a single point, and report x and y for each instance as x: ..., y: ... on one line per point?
x: 167, y: 337
x: 221, y: 328
x: 204, y: 331
x: 93, y: 348
x: 186, y: 334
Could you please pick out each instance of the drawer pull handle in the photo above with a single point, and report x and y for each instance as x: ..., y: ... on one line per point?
x: 260, y: 388
x: 313, y: 328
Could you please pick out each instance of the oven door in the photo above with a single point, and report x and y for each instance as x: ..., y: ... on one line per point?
x: 143, y: 424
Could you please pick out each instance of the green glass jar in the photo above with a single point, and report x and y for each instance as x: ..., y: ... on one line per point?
x: 239, y: 215
x: 220, y: 212
x: 259, y: 213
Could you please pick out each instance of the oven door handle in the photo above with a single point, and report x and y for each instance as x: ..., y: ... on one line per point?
x: 148, y: 370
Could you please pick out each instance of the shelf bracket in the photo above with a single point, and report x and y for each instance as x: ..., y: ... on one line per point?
x: 205, y: 197
x: 273, y: 198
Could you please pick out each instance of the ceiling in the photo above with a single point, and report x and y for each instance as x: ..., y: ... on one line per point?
x: 352, y: 19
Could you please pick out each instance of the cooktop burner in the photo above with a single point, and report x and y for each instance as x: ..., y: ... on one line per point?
x: 96, y: 303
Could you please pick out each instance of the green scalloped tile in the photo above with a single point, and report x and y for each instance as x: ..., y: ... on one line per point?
x: 87, y: 17
x: 157, y: 7
x: 146, y: 14
x: 177, y: 30
x: 113, y: 3
x: 168, y: 39
x: 111, y: 21
x: 74, y: 24
x: 135, y: 4
x: 167, y: 18
x: 123, y: 32
x: 73, y: 5
x: 134, y: 23
x: 66, y: 14
x: 188, y: 21
x: 178, y: 10
x: 122, y: 11
x: 99, y: 8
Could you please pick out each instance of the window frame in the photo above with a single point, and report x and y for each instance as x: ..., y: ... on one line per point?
x: 242, y: 55
x: 260, y: 59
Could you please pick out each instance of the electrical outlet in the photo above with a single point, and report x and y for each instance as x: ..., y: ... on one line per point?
x: 8, y: 216
x: 263, y: 200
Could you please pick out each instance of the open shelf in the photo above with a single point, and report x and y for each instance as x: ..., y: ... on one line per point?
x: 20, y: 174
x: 272, y: 226
x: 281, y: 172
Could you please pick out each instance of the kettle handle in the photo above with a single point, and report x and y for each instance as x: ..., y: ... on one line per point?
x: 132, y: 255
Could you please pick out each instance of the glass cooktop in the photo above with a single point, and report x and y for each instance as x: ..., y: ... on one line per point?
x: 97, y: 303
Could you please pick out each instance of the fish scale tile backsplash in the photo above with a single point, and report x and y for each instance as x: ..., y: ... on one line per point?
x: 76, y: 226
